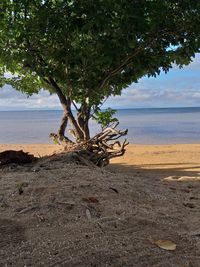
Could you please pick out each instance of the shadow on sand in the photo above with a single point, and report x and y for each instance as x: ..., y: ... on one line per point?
x: 169, y: 171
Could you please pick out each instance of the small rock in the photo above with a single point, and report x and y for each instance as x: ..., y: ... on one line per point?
x: 36, y: 169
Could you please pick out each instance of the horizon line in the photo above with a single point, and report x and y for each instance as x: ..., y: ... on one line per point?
x: 128, y: 108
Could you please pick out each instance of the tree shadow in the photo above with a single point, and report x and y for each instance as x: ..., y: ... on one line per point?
x: 169, y: 171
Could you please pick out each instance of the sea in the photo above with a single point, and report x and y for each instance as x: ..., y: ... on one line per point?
x: 145, y: 125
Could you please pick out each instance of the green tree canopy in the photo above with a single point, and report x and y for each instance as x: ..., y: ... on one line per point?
x: 86, y: 51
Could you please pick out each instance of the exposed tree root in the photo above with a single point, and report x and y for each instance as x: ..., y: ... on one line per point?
x: 100, y: 148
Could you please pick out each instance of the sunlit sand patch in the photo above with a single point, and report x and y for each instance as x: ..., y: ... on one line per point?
x: 182, y: 178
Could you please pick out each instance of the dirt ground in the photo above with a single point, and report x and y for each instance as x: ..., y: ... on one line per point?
x: 57, y: 212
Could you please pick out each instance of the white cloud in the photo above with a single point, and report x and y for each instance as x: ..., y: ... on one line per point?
x: 12, y: 99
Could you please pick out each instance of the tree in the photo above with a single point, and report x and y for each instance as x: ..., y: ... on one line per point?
x: 86, y: 51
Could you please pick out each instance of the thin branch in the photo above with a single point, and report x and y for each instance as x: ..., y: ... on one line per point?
x: 46, y: 81
x: 128, y: 60
x: 59, y: 92
x: 75, y: 106
x: 120, y: 67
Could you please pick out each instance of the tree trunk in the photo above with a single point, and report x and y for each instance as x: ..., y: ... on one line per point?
x: 83, y: 117
x: 63, y: 125
x: 62, y: 128
x: 78, y: 132
x: 87, y: 131
x: 66, y: 104
x: 83, y: 124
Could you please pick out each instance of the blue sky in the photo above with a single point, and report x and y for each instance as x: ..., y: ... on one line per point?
x: 177, y: 88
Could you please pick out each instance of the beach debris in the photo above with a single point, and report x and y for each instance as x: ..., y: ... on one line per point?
x: 12, y: 156
x: 186, y: 190
x: 189, y: 205
x: 88, y: 215
x: 3, y: 203
x: 20, y: 187
x: 20, y: 190
x: 114, y: 189
x: 1, y: 197
x: 40, y: 217
x: 194, y: 198
x: 165, y: 244
x: 196, y: 233
x: 27, y: 209
x: 119, y: 212
x: 109, y: 223
x: 37, y: 169
x: 90, y: 200
x: 173, y: 188
x: 68, y: 205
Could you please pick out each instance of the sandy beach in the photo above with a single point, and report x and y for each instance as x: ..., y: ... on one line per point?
x: 177, y: 159
x: 67, y: 214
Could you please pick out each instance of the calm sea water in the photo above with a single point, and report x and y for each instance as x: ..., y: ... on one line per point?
x: 146, y: 126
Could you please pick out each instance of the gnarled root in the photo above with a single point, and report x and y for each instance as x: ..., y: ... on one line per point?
x: 104, y: 146
x: 100, y: 148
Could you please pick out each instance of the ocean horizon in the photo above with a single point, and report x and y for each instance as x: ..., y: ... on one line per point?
x: 145, y: 125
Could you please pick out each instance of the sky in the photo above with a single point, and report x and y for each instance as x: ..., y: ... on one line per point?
x: 177, y: 88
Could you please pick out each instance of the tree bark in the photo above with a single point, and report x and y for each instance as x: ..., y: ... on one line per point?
x: 66, y: 104
x: 83, y: 117
x: 83, y: 124
x: 62, y: 128
x: 78, y: 132
x: 87, y: 131
x: 63, y: 125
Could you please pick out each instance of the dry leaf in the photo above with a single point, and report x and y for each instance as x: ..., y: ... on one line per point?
x: 165, y: 244
x: 90, y: 200
x: 93, y: 199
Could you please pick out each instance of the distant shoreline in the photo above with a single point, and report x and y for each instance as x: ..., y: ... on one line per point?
x: 130, y: 108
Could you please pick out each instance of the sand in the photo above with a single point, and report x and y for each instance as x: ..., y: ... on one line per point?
x: 175, y: 160
x: 185, y: 157
x: 59, y: 213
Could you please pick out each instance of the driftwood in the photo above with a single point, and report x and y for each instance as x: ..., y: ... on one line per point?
x: 105, y: 146
x: 100, y: 148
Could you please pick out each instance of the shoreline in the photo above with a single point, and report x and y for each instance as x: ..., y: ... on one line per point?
x: 144, y: 157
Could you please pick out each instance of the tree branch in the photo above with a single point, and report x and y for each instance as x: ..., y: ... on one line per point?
x: 125, y: 62
x: 119, y: 67
x: 62, y: 98
x: 75, y: 106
